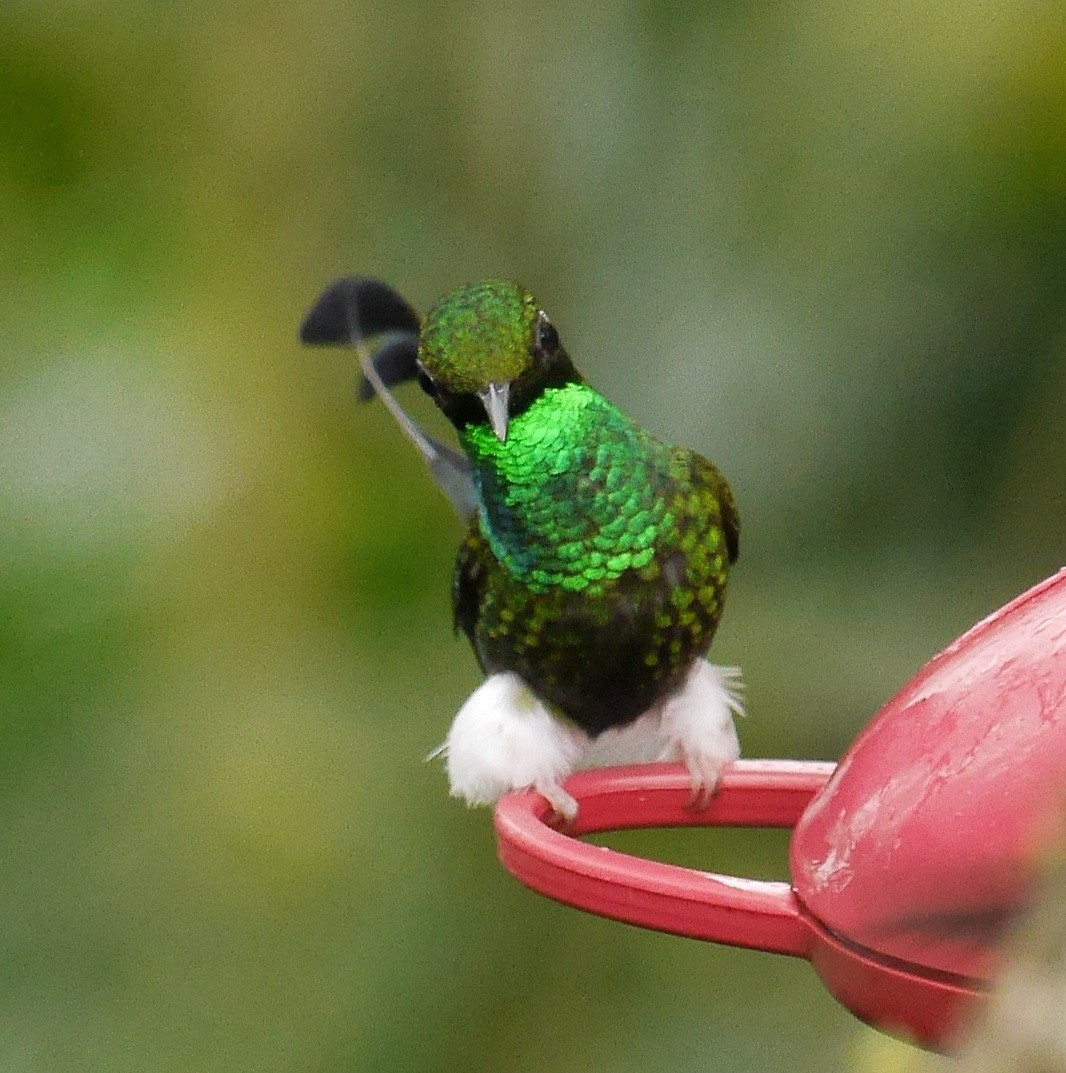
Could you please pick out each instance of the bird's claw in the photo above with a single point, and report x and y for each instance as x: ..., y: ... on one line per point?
x: 698, y: 724
x: 564, y: 806
x: 705, y: 774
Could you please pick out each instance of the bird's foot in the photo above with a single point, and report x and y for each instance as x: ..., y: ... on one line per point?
x: 505, y: 738
x: 704, y: 777
x: 564, y: 806
x: 698, y: 723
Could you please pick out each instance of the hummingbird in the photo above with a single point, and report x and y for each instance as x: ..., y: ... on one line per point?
x: 592, y: 575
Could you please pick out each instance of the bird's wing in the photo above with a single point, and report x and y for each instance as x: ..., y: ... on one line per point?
x: 468, y: 584
x: 705, y: 472
x: 379, y: 323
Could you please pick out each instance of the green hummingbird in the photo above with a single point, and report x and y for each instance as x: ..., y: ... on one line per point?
x: 593, y: 573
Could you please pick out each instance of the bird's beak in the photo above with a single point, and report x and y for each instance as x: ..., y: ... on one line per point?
x: 494, y: 399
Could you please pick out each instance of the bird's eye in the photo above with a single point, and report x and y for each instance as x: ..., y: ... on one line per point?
x: 547, y: 337
x: 427, y: 383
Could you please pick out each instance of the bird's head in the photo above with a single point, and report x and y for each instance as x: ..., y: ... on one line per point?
x: 486, y: 352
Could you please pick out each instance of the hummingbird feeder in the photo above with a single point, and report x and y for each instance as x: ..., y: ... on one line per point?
x: 908, y: 858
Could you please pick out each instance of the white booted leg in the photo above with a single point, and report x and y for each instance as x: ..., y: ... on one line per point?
x: 697, y: 721
x: 504, y: 738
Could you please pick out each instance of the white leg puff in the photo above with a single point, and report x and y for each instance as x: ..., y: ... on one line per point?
x: 503, y: 739
x: 698, y: 723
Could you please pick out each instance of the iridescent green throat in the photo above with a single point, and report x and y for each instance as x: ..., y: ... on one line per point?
x: 576, y: 496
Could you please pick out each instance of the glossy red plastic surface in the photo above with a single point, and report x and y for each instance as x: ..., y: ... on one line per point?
x: 925, y: 840
x: 907, y: 860
x: 703, y: 905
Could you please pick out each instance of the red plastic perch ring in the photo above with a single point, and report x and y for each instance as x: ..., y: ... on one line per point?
x: 760, y: 914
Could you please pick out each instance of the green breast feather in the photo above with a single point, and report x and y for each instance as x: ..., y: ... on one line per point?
x: 577, y: 495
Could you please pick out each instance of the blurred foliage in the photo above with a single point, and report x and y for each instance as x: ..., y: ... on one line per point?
x: 822, y: 243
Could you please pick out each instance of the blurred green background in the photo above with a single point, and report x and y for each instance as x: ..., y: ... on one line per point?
x: 822, y: 244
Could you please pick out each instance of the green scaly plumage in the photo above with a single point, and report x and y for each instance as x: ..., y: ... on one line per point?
x: 597, y: 568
